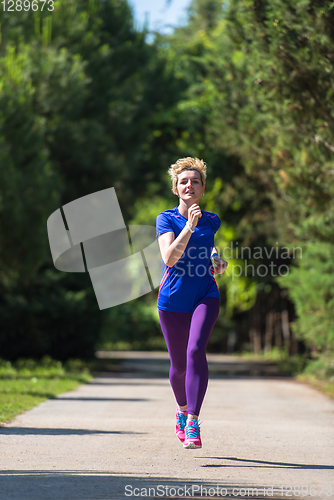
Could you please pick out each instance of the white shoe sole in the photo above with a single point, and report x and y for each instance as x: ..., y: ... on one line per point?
x: 192, y: 446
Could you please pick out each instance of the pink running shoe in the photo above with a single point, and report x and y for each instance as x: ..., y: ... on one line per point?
x: 192, y: 435
x: 181, y: 420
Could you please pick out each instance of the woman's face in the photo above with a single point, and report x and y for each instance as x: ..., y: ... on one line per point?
x: 189, y: 185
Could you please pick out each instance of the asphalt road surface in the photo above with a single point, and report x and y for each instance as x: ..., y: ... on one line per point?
x: 263, y: 436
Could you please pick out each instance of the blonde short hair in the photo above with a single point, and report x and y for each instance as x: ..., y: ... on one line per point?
x: 186, y: 164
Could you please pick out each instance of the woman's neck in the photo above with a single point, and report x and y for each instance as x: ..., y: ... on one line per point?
x: 183, y: 207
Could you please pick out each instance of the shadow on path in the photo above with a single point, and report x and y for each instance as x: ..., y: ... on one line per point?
x: 88, y: 485
x: 263, y: 464
x: 22, y: 431
x: 102, y: 399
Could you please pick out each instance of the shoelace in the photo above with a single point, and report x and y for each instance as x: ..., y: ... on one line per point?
x: 181, y: 419
x: 192, y: 431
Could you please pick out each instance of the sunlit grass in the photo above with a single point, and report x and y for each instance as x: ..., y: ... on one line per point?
x: 326, y: 387
x: 27, y: 383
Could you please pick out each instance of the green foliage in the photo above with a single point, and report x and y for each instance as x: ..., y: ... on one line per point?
x: 26, y: 368
x: 146, y: 209
x: 56, y: 315
x: 140, y: 331
x: 82, y: 100
x: 30, y: 183
x: 265, y: 73
x: 86, y: 103
x: 311, y: 287
x: 320, y: 373
x: 322, y: 368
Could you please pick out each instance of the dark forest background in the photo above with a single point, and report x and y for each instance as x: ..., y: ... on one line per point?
x: 88, y: 101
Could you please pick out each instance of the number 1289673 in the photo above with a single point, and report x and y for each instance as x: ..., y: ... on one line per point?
x: 34, y: 5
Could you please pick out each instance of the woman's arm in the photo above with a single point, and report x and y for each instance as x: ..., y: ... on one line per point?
x: 171, y: 249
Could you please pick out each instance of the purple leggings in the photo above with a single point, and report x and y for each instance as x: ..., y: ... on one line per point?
x: 186, y: 336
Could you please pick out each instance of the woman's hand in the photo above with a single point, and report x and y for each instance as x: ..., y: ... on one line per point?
x: 194, y: 213
x: 219, y: 264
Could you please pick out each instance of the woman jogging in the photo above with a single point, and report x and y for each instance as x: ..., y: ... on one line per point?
x: 189, y: 299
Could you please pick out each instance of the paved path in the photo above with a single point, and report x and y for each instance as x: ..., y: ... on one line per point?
x: 116, y: 434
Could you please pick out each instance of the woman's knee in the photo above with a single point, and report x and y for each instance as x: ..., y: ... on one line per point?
x: 196, y: 354
x: 178, y: 371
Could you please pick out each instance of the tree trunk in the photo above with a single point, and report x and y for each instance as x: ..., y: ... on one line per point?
x: 286, y: 329
x: 278, y: 330
x: 255, y: 326
x: 294, y: 344
x: 268, y: 342
x: 269, y: 331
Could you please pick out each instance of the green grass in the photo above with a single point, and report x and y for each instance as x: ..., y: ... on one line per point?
x: 27, y: 383
x: 326, y: 387
x: 319, y: 373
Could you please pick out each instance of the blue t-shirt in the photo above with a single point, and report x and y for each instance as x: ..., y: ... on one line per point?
x: 192, y: 276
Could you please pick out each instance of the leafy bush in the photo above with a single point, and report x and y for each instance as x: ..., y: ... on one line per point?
x: 311, y: 287
x: 322, y: 368
x: 57, y: 316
